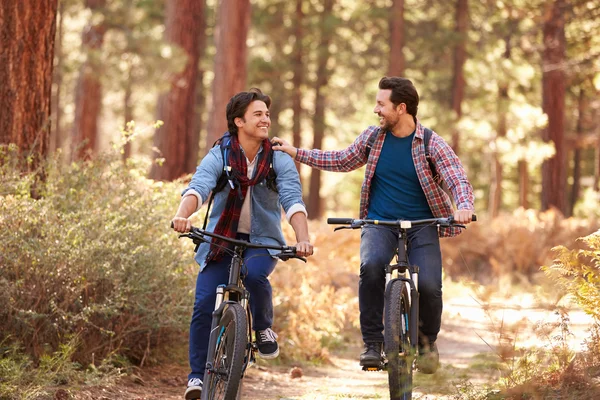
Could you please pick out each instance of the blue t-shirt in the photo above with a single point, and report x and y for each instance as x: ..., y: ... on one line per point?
x: 395, y: 189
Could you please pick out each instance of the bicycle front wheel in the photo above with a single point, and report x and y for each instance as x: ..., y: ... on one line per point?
x: 397, y: 341
x: 223, y: 381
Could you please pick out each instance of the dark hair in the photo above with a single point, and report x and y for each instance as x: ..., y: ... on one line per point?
x: 238, y: 104
x: 403, y: 91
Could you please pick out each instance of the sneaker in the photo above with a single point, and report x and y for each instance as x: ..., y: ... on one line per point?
x: 266, y: 341
x: 371, y: 356
x: 429, y: 359
x: 194, y: 389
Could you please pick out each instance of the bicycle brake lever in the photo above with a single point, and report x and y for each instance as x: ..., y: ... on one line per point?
x: 341, y: 227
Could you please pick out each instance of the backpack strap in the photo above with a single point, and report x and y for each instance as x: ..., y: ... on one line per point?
x: 226, y: 176
x: 371, y: 141
x: 426, y: 138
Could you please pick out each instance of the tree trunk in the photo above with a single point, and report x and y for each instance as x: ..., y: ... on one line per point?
x: 298, y: 79
x: 553, y: 104
x: 56, y: 139
x: 458, y: 78
x: 523, y: 184
x: 194, y: 144
x: 128, y: 114
x: 323, y: 74
x: 27, y: 34
x: 176, y: 108
x: 396, y: 22
x: 495, y: 201
x: 233, y: 22
x: 88, y: 93
x: 582, y: 108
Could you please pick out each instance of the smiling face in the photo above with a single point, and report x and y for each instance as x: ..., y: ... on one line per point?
x: 255, y: 123
x: 389, y: 114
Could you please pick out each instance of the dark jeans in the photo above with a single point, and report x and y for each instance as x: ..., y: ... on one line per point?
x: 377, y: 247
x: 259, y: 266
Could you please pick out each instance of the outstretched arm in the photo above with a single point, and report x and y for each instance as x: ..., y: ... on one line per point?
x: 349, y: 159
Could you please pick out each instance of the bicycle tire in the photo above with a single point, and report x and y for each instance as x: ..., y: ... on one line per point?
x: 398, y: 348
x: 229, y: 356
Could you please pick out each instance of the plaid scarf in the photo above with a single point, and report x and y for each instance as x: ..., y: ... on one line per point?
x: 228, y: 222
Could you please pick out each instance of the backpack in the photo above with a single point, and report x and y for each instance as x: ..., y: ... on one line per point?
x: 434, y: 173
x: 227, y: 177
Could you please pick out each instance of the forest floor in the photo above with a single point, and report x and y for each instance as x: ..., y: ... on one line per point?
x: 474, y: 336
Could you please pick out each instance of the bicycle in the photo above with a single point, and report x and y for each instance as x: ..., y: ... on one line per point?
x: 401, y: 304
x: 231, y: 348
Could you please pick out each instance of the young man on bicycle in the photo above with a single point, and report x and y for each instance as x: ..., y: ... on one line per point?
x: 252, y: 212
x: 399, y: 185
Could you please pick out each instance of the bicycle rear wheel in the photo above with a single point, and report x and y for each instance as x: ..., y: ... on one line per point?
x: 397, y: 342
x: 223, y: 382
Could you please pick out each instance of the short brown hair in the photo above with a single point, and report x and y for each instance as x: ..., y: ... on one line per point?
x: 403, y: 91
x: 238, y: 104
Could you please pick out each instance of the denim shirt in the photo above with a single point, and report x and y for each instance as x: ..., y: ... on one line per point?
x: 265, y: 207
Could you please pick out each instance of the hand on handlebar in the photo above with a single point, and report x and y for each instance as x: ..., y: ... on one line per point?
x: 463, y: 216
x: 304, y: 249
x: 181, y: 225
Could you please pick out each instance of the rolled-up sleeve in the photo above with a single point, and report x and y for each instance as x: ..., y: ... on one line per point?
x: 288, y: 185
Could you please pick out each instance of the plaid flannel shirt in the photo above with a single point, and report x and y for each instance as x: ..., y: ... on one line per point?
x: 446, y: 161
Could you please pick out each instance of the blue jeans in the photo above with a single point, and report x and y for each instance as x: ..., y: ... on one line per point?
x: 258, y: 266
x: 377, y: 248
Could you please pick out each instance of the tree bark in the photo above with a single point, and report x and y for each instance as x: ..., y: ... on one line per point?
x: 88, y: 93
x: 27, y: 34
x: 194, y: 138
x: 298, y: 79
x: 396, y: 22
x: 458, y: 77
x: 553, y: 104
x: 56, y: 139
x: 127, y: 113
x: 323, y: 75
x: 495, y: 201
x: 582, y: 108
x: 523, y: 184
x: 176, y: 107
x: 231, y: 32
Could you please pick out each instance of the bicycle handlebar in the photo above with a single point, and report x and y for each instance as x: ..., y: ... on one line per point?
x: 198, y: 234
x: 402, y: 224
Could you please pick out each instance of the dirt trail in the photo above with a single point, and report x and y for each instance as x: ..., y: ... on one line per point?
x: 464, y: 355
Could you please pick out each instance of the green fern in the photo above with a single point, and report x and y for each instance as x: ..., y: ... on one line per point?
x: 578, y: 272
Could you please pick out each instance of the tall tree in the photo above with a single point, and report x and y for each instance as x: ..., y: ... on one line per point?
x: 183, y: 28
x: 298, y: 79
x: 88, y: 93
x: 27, y: 33
x: 396, y: 22
x: 56, y: 138
x: 458, y: 76
x: 327, y: 31
x: 231, y: 32
x: 553, y: 104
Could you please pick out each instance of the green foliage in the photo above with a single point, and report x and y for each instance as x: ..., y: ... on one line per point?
x: 92, y: 258
x: 578, y: 272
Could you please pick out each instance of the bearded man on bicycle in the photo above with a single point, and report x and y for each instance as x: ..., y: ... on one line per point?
x: 399, y: 184
x: 247, y: 208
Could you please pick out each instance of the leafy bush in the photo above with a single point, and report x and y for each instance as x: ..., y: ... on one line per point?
x: 93, y: 258
x: 511, y: 245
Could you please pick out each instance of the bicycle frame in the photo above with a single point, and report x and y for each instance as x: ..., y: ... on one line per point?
x: 234, y: 292
x: 409, y: 274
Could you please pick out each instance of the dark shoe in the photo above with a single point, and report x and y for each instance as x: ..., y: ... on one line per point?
x: 429, y: 359
x: 194, y: 389
x: 266, y: 341
x: 371, y: 356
